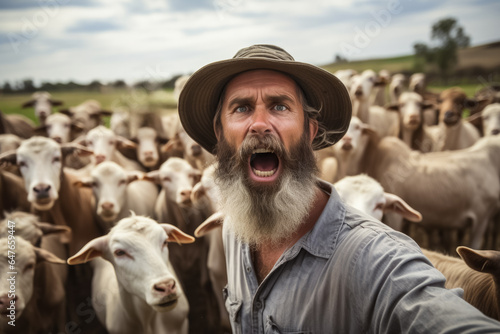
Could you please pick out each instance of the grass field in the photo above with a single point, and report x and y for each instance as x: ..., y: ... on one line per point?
x: 162, y: 101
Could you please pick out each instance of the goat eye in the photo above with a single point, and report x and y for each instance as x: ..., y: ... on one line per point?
x: 57, y: 159
x: 21, y: 164
x: 167, y: 179
x: 122, y: 182
x: 120, y: 252
x: 29, y: 266
x: 111, y: 142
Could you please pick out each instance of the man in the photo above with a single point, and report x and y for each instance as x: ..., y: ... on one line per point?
x: 298, y: 259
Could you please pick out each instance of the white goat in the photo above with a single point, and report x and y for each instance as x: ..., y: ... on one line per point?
x: 136, y: 289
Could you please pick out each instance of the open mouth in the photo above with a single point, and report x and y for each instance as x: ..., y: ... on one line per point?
x: 264, y: 162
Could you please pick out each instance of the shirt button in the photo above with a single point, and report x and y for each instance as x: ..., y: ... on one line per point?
x: 249, y: 269
x: 258, y: 305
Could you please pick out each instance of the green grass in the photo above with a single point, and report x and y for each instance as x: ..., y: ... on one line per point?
x: 394, y: 64
x: 162, y: 101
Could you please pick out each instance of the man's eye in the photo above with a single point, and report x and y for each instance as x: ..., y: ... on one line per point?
x: 280, y: 107
x: 241, y: 109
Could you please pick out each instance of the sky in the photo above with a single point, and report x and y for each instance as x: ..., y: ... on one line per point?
x: 134, y: 40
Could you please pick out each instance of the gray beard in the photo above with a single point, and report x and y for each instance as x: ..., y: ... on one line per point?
x: 266, y: 214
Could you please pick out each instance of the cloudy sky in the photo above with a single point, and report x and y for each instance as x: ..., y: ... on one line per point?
x: 83, y: 40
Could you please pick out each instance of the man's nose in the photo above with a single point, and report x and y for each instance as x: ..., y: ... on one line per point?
x: 260, y: 121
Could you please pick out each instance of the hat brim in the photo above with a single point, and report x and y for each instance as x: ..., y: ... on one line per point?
x: 200, y: 96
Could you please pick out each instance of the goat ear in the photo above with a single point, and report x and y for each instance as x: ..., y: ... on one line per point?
x: 196, y: 176
x: 485, y: 261
x: 56, y: 103
x: 211, y: 223
x: 470, y: 103
x: 398, y: 205
x: 105, y: 113
x: 153, y: 176
x: 77, y: 127
x: 176, y: 235
x: 29, y: 103
x: 72, y: 148
x: 64, y: 231
x: 44, y: 255
x: 198, y: 192
x: 91, y: 250
x: 428, y: 105
x: 66, y: 112
x: 40, y: 130
x: 367, y: 130
x: 8, y: 158
x: 392, y: 107
x: 124, y: 143
x: 133, y: 176
x: 84, y: 183
x: 162, y: 140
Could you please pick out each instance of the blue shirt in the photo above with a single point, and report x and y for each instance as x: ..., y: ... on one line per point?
x: 349, y: 274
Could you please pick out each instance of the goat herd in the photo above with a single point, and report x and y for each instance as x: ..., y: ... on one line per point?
x: 107, y: 201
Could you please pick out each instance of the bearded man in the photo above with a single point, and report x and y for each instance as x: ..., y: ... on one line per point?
x: 298, y: 259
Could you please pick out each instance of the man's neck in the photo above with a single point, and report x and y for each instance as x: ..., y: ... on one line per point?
x: 266, y: 254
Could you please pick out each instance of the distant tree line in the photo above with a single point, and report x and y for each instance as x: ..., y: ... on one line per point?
x: 29, y: 86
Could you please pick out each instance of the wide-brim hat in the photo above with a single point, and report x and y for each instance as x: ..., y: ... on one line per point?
x: 201, y: 94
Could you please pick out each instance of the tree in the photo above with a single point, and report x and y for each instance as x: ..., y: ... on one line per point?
x: 450, y: 37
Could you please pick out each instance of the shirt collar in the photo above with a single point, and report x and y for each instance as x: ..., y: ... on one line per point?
x: 321, y: 240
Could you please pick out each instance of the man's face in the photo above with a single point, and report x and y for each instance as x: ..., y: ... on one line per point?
x: 261, y: 103
x: 266, y: 167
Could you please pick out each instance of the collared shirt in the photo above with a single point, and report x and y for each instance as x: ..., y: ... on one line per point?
x: 349, y: 274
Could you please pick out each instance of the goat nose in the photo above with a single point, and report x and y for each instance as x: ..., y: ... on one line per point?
x: 107, y: 206
x: 148, y: 154
x: 167, y: 287
x: 495, y: 132
x: 358, y: 93
x: 42, y: 190
x: 5, y: 301
x: 100, y: 158
x: 185, y: 193
x: 196, y: 149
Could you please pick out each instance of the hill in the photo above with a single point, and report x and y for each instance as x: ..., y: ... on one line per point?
x: 485, y: 57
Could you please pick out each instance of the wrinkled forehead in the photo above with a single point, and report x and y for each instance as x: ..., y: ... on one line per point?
x: 38, y: 146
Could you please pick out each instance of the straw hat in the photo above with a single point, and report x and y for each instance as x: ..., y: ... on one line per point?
x: 200, y: 96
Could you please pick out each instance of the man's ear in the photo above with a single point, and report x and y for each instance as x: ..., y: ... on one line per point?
x: 217, y: 130
x: 313, y: 129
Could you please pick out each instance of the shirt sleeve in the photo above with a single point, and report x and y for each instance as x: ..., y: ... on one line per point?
x: 397, y: 290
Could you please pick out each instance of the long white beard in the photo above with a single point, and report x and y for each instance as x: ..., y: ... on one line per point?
x: 265, y: 218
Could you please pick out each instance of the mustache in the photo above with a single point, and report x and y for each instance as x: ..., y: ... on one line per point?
x: 268, y: 142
